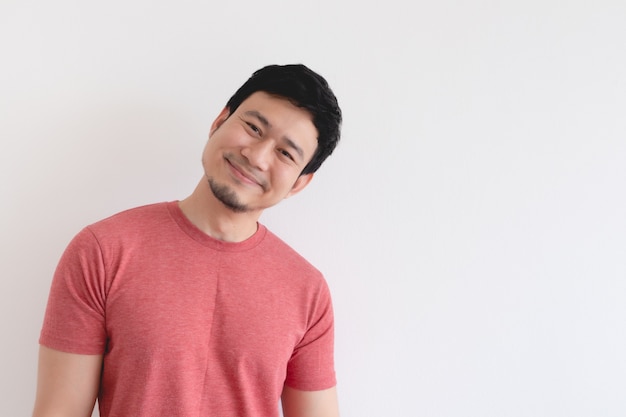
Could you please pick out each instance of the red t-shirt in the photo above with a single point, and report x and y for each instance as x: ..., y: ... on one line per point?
x: 190, y: 325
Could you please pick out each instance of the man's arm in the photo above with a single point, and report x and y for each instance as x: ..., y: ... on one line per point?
x: 67, y: 383
x: 297, y: 403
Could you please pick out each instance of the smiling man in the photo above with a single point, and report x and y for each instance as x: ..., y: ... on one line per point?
x: 193, y: 308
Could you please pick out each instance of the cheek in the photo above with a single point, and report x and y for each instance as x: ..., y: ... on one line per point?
x: 286, y: 177
x: 227, y: 136
x: 205, y: 153
x: 208, y: 154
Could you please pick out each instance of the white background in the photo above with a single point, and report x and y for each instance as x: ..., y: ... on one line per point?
x: 471, y: 224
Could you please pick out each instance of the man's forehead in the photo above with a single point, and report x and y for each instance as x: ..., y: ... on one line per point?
x: 269, y: 108
x: 264, y: 99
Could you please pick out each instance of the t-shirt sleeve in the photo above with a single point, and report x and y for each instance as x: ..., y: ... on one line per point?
x: 311, y: 366
x: 74, y: 321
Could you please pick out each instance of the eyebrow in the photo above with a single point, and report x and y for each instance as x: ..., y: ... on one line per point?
x: 260, y: 117
x: 268, y: 125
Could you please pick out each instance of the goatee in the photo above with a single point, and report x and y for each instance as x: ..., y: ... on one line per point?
x: 227, y: 197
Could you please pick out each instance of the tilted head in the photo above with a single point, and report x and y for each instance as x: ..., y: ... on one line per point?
x: 306, y: 89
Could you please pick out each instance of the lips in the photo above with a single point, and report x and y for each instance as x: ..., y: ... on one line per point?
x: 243, y: 174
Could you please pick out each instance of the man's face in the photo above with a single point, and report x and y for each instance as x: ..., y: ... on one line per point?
x: 254, y: 157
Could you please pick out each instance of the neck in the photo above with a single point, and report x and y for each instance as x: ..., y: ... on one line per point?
x: 216, y: 220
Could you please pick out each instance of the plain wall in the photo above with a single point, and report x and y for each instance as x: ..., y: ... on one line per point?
x: 471, y: 224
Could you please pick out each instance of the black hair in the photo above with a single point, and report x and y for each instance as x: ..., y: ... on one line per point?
x: 305, y: 89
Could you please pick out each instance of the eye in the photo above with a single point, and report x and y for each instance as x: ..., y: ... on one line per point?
x: 254, y: 128
x: 286, y: 154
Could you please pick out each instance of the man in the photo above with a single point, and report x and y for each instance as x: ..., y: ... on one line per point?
x: 192, y: 308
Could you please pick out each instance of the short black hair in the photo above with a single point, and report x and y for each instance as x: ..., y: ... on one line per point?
x: 305, y: 89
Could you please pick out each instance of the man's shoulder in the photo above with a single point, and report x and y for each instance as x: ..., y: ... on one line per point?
x: 133, y: 219
x: 278, y: 249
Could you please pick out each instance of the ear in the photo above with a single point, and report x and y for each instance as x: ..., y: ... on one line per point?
x: 301, y: 182
x: 221, y: 118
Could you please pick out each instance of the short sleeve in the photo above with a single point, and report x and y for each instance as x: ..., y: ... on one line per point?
x: 74, y: 321
x: 311, y: 366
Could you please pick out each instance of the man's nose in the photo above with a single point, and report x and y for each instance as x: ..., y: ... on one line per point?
x: 259, y: 154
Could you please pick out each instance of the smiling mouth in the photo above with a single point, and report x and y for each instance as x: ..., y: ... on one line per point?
x: 243, y: 174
